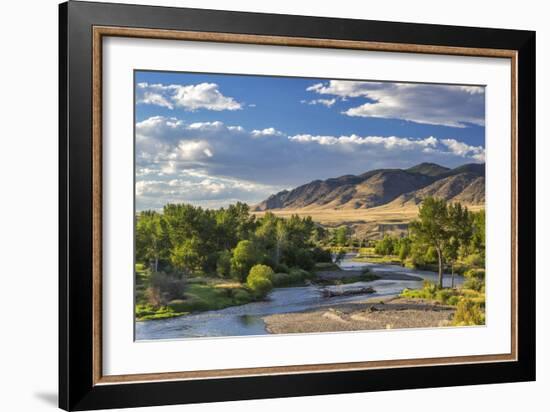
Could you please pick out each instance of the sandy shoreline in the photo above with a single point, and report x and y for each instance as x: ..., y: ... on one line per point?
x: 370, y: 314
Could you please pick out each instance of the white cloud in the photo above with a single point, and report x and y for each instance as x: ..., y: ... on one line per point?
x: 196, y: 186
x: 268, y: 132
x: 465, y: 150
x: 213, y: 164
x: 389, y: 142
x: 188, y: 97
x: 446, y: 105
x: 324, y: 102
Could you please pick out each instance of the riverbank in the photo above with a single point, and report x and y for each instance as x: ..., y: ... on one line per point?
x: 370, y: 314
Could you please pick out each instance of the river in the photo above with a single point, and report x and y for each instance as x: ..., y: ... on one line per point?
x: 247, y: 319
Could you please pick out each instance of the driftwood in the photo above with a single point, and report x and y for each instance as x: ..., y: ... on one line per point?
x: 327, y: 293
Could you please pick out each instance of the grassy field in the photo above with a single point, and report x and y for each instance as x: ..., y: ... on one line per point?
x: 367, y: 223
x: 385, y: 214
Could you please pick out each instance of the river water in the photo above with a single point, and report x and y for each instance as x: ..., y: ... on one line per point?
x: 247, y: 319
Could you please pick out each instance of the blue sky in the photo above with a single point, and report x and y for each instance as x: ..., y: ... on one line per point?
x: 211, y: 139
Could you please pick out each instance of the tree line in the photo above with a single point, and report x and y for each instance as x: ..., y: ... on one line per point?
x: 226, y: 242
x: 443, y: 233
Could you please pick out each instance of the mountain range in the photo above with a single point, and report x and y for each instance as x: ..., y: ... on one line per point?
x: 395, y: 187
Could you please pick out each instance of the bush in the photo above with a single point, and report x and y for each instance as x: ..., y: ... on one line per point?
x: 164, y: 288
x: 475, y: 274
x: 259, y: 279
x: 281, y: 268
x: 475, y: 260
x: 260, y: 286
x: 299, y: 273
x: 474, y: 284
x: 241, y: 296
x: 261, y: 271
x: 468, y: 313
x: 444, y: 296
x: 322, y: 255
x: 281, y: 279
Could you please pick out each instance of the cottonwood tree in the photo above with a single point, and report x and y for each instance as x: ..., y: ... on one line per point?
x: 431, y: 229
x: 459, y: 226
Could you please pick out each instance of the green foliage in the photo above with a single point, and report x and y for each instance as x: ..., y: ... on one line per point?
x: 475, y: 260
x: 201, y: 297
x: 341, y: 236
x: 404, y: 246
x: 320, y: 266
x: 281, y: 268
x: 386, y: 246
x: 468, y: 313
x: 321, y: 255
x: 475, y: 274
x: 260, y: 271
x: 474, y: 284
x: 187, y: 257
x: 296, y: 276
x: 245, y: 255
x: 223, y: 264
x: 259, y: 280
x: 163, y: 288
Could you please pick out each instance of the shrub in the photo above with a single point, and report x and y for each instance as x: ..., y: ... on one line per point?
x: 261, y: 271
x: 475, y: 274
x: 260, y: 286
x: 468, y: 313
x: 475, y: 260
x: 444, y: 296
x: 164, y: 288
x: 281, y: 279
x: 281, y: 268
x: 241, y: 296
x: 474, y: 284
x: 259, y: 279
x: 322, y: 255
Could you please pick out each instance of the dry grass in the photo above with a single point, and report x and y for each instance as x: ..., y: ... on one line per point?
x: 386, y: 214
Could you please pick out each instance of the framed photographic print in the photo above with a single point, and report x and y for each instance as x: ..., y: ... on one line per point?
x: 256, y: 205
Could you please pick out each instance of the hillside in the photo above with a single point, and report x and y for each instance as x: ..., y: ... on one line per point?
x: 395, y: 187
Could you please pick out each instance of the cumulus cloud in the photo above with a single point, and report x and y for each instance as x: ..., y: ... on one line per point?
x: 445, y: 105
x: 270, y: 131
x: 188, y: 97
x: 389, y: 142
x: 465, y: 150
x: 212, y: 163
x: 196, y: 186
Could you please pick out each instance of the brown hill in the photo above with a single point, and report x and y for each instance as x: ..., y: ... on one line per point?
x: 383, y: 186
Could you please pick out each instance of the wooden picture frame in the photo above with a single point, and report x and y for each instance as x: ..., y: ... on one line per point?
x: 83, y: 26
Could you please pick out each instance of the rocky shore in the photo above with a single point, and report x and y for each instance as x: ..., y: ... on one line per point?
x: 371, y: 314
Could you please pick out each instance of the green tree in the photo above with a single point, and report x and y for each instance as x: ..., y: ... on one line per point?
x: 431, y: 229
x: 459, y: 232
x: 245, y: 255
x: 151, y: 239
x: 341, y: 236
x: 386, y: 246
x: 187, y: 256
x: 404, y: 246
x: 260, y: 279
x: 223, y: 264
x: 478, y: 235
